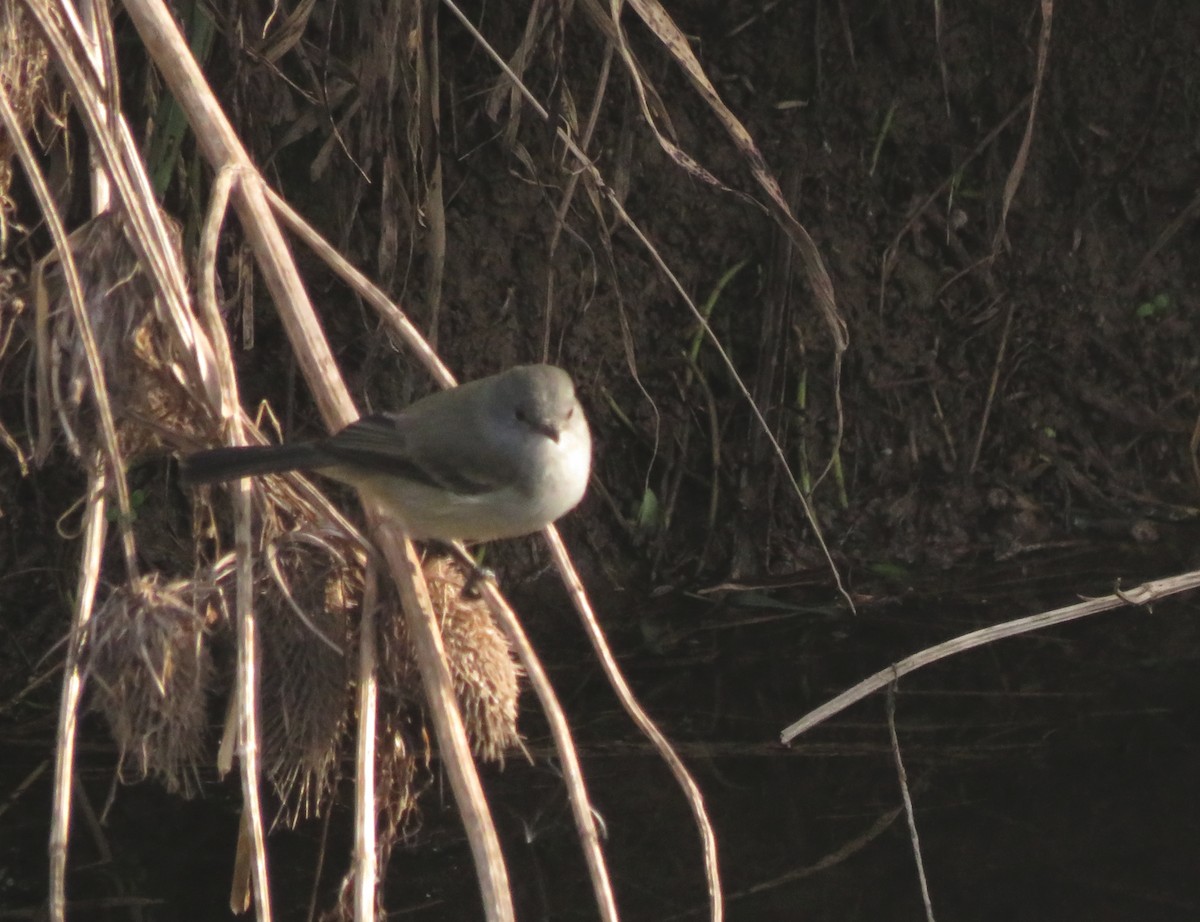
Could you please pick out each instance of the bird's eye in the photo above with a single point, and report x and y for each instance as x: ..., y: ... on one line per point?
x: 521, y: 415
x: 570, y: 412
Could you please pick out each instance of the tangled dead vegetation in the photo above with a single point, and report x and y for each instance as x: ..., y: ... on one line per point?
x: 126, y: 372
x: 1016, y: 381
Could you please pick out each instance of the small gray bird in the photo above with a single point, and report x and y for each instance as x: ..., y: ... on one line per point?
x: 494, y: 458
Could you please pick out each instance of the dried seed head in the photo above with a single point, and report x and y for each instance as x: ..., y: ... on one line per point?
x: 141, y: 372
x: 486, y: 676
x: 309, y: 590
x: 147, y: 661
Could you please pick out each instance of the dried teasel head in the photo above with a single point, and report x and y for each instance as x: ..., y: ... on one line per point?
x: 141, y: 371
x: 309, y: 589
x: 486, y: 675
x: 149, y: 668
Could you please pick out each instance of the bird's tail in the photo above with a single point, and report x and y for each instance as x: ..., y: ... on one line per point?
x: 230, y: 463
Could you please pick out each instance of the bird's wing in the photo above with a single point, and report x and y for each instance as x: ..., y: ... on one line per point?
x: 418, y: 449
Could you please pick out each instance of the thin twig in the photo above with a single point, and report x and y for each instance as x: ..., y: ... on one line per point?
x: 95, y: 827
x: 97, y: 41
x: 630, y: 703
x: 568, y: 193
x: 906, y: 796
x: 593, y: 171
x: 22, y: 786
x: 1013, y: 180
x: 1142, y: 595
x: 992, y: 385
x: 560, y: 729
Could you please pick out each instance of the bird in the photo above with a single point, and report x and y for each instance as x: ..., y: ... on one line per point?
x: 498, y: 457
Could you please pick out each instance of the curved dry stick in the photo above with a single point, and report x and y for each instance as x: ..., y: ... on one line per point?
x: 1142, y: 595
x: 613, y: 673
x: 560, y: 729
x: 1013, y: 181
x: 906, y: 798
x: 655, y: 17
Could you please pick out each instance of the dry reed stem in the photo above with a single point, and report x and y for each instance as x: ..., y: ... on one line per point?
x: 1141, y: 595
x: 94, y: 529
x: 405, y: 567
x: 906, y: 797
x: 365, y: 865
x: 247, y: 696
x: 656, y: 18
x: 1013, y: 180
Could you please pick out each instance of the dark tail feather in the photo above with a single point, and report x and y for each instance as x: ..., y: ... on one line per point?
x: 218, y: 464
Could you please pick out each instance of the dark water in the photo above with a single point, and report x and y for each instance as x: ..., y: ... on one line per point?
x: 1054, y: 775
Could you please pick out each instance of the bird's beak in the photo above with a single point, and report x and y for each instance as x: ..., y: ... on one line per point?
x: 549, y: 430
